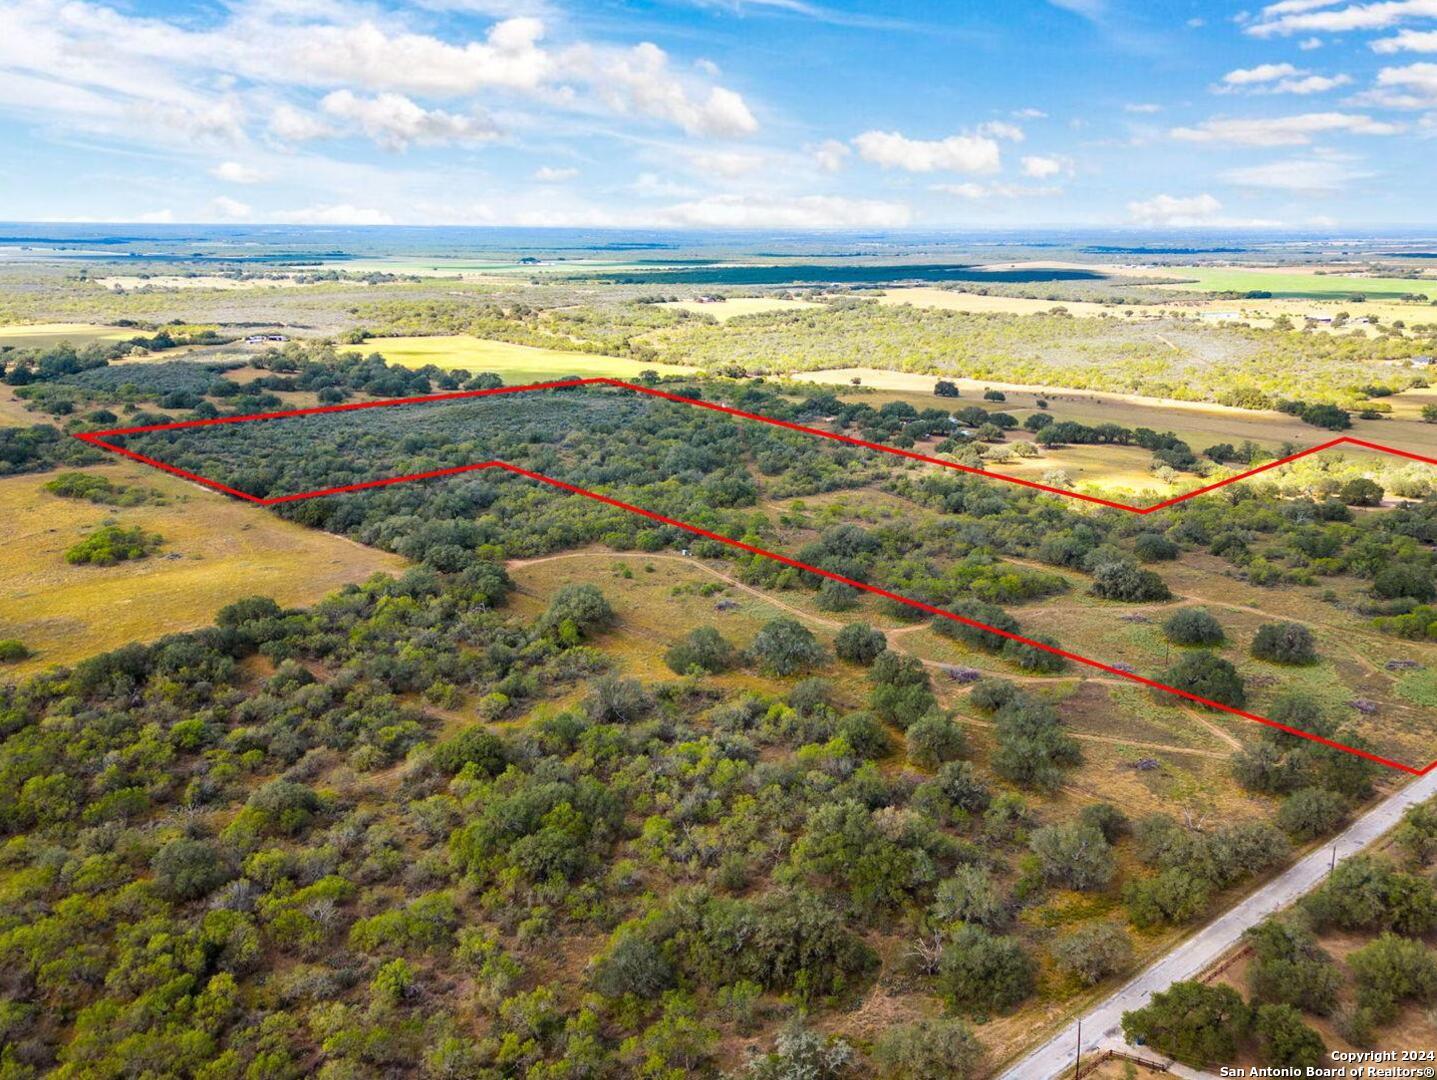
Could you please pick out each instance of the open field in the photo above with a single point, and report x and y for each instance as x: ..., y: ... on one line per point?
x: 1198, y: 423
x: 1285, y: 282
x: 954, y: 300
x: 39, y: 335
x: 216, y: 551
x: 723, y: 310
x: 513, y: 363
x: 1259, y: 313
x: 208, y: 281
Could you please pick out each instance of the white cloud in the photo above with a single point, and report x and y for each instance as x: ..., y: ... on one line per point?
x: 1142, y: 107
x: 1410, y: 87
x: 970, y: 190
x: 1284, y: 19
x: 956, y: 153
x: 1311, y: 84
x: 639, y: 82
x: 1282, y: 130
x: 332, y: 214
x: 1088, y: 9
x: 550, y: 174
x: 1279, y: 79
x: 107, y: 70
x: 227, y: 209
x: 1260, y: 74
x: 999, y: 129
x: 233, y: 172
x: 1306, y: 176
x: 1308, y: 44
x: 1040, y: 168
x: 803, y: 212
x: 1168, y: 210
x: 1407, y: 41
x: 291, y: 125
x: 653, y: 186
x: 725, y: 164
x: 156, y: 217
x: 830, y: 155
x: 1030, y: 114
x: 394, y: 121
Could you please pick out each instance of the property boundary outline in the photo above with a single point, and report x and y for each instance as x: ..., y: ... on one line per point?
x: 100, y: 439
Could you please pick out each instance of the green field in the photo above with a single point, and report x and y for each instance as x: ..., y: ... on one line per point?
x: 1304, y: 286
x: 39, y: 335
x: 513, y: 363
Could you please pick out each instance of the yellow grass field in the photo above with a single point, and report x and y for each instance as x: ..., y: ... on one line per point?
x: 976, y: 303
x: 742, y: 305
x: 515, y: 364
x: 1259, y: 313
x: 216, y: 551
x: 38, y: 335
x: 208, y: 281
x: 1199, y: 423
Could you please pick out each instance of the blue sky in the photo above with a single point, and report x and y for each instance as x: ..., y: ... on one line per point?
x: 721, y: 113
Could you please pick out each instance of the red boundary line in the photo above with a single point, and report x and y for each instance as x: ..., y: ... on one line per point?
x: 98, y: 439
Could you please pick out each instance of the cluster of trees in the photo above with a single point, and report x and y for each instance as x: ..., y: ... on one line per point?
x: 1191, y: 866
x: 1166, y: 447
x: 94, y: 488
x: 1318, y: 415
x: 24, y: 366
x: 40, y: 447
x: 1290, y: 974
x: 1206, y: 1025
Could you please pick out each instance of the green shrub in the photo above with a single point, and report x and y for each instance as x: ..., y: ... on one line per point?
x: 1193, y: 626
x: 1209, y: 677
x: 1284, y: 643
x: 111, y: 544
x: 859, y: 643
x: 705, y: 649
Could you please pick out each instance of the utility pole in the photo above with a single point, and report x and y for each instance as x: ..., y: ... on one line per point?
x: 1078, y: 1062
x: 1332, y: 865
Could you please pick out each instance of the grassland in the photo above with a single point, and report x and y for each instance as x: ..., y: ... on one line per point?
x: 732, y: 307
x: 216, y: 550
x: 205, y: 281
x: 1299, y: 285
x: 982, y: 303
x: 42, y: 335
x: 1263, y: 314
x: 513, y: 363
x: 1199, y: 423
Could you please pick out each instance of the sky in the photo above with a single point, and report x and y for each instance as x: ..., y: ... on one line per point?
x: 759, y: 114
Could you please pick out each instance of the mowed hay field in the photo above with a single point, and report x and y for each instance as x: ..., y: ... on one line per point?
x: 978, y: 303
x: 216, y: 551
x: 732, y: 307
x: 43, y: 335
x: 515, y: 364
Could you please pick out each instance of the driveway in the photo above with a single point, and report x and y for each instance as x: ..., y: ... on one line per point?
x: 1102, y: 1025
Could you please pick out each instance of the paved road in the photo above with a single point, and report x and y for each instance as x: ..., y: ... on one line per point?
x: 1102, y: 1024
